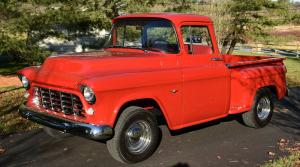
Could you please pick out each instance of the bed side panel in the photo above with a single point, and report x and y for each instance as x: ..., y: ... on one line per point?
x: 247, y: 80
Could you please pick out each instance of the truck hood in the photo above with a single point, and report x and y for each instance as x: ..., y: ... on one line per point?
x: 70, y: 70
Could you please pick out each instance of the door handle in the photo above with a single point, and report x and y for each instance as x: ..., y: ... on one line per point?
x: 216, y: 59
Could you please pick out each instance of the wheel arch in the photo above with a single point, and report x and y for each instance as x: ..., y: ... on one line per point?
x: 271, y: 88
x: 251, y: 118
x: 149, y: 104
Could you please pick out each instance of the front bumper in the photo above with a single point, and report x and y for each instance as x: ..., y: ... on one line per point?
x: 94, y: 132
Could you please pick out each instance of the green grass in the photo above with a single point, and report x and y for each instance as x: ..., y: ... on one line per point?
x: 249, y: 53
x: 292, y: 160
x: 10, y: 68
x: 10, y: 120
x: 293, y: 71
x: 8, y: 88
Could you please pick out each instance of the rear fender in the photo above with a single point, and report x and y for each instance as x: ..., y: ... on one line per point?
x: 246, y: 82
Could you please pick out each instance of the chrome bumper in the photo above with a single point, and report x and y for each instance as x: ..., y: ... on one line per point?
x: 93, y: 132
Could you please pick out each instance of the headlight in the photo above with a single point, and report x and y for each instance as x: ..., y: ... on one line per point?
x: 25, y: 81
x: 88, y: 94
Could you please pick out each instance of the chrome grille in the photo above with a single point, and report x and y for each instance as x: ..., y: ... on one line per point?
x: 56, y: 101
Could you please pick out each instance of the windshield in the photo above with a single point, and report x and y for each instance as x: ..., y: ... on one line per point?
x: 147, y: 34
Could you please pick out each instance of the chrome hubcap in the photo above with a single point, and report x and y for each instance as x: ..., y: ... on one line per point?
x: 138, y: 137
x: 263, y: 108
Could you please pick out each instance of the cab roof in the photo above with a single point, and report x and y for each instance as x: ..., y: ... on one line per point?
x: 173, y: 17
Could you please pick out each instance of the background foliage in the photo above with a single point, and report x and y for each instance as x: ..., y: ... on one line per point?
x: 25, y: 23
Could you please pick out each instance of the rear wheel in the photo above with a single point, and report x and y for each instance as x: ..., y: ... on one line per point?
x: 136, y: 136
x: 261, y: 111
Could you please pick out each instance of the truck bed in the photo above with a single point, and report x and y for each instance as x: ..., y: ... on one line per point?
x: 250, y: 73
x: 233, y: 61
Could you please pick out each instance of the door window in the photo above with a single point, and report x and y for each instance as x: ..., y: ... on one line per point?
x: 197, y: 40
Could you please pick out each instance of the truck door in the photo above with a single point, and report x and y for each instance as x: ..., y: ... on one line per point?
x: 205, y: 78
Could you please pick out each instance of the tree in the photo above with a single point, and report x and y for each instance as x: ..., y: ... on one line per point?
x: 115, y: 8
x: 180, y: 6
x: 25, y: 23
x: 248, y: 18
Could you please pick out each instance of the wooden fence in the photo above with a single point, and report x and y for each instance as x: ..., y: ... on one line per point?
x: 271, y: 49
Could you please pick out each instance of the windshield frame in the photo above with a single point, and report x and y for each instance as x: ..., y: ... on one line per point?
x: 108, y: 40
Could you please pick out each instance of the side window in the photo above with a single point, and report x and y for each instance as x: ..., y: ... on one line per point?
x: 197, y: 40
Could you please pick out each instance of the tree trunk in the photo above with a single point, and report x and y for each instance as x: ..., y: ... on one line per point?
x: 225, y: 43
x: 224, y: 46
x: 231, y: 47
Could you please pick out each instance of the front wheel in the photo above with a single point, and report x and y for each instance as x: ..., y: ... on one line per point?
x: 136, y: 136
x: 261, y: 111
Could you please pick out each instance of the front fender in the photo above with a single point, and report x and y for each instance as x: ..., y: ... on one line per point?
x: 113, y: 91
x: 29, y: 72
x: 134, y: 97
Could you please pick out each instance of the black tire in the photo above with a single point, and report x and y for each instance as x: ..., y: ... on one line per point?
x: 255, y: 117
x: 130, y: 121
x: 55, y: 133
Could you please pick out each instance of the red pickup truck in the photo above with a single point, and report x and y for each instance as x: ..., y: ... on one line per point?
x: 153, y: 67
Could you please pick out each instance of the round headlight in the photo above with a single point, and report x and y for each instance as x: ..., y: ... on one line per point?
x: 25, y: 82
x: 88, y: 94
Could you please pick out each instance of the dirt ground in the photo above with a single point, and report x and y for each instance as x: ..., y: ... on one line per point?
x: 11, y: 80
x: 286, y: 30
